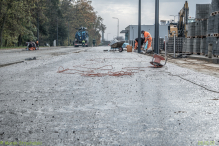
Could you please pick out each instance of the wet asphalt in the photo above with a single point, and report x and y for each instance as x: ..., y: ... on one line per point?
x: 169, y: 106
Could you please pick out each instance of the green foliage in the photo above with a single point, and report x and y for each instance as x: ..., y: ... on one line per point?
x: 19, y: 21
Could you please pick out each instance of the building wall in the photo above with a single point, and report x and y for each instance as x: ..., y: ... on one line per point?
x: 133, y: 30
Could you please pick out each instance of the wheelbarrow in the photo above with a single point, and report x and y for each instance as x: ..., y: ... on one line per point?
x: 117, y: 45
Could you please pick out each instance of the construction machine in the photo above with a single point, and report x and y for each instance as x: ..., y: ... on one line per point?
x: 81, y: 35
x: 172, y: 29
x: 180, y: 28
x: 183, y: 20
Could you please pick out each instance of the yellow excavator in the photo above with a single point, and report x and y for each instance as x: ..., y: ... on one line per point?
x: 172, y: 29
x: 183, y: 20
x: 180, y: 28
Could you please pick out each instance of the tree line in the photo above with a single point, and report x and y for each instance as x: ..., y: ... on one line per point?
x: 22, y: 21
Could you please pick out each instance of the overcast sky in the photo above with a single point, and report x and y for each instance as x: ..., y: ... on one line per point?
x: 127, y: 12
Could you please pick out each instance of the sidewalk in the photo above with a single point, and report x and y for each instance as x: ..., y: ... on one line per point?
x: 214, y: 60
x: 197, y: 63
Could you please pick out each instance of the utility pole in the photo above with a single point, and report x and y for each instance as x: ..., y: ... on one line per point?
x: 139, y: 27
x: 102, y: 28
x: 117, y: 27
x: 57, y: 33
x: 38, y: 24
x: 102, y: 36
x: 68, y: 33
x: 156, y: 46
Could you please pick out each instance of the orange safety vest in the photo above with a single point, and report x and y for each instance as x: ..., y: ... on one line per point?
x: 147, y: 35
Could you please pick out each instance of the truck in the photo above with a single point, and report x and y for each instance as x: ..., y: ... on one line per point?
x: 81, y: 35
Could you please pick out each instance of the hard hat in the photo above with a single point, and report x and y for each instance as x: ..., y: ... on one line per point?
x: 142, y: 31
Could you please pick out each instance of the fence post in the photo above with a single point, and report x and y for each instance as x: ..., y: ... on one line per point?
x: 209, y: 50
x: 174, y: 45
x: 165, y: 45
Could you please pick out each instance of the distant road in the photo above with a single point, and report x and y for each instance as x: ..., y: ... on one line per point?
x: 10, y: 56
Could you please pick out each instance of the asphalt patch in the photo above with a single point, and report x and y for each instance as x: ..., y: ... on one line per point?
x: 3, y: 65
x: 34, y: 58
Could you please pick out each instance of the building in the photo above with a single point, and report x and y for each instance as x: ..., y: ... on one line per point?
x: 163, y: 22
x: 131, y: 32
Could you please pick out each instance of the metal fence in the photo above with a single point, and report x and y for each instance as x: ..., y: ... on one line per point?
x: 203, y: 45
x: 211, y: 24
x: 196, y: 45
x: 204, y: 27
x: 215, y: 45
x: 178, y: 45
x: 191, y: 29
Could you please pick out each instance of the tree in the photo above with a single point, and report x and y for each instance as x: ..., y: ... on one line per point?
x: 16, y: 21
x: 19, y: 21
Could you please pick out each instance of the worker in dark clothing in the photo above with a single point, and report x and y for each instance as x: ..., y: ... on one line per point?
x: 94, y: 42
x: 30, y: 45
x: 136, y: 42
x: 34, y: 45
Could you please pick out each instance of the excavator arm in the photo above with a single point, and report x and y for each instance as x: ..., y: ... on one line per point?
x: 183, y: 20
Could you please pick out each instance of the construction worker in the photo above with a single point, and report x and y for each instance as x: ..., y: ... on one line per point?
x: 147, y: 37
x: 37, y: 45
x: 83, y: 43
x: 136, y: 42
x: 34, y: 45
x: 94, y: 42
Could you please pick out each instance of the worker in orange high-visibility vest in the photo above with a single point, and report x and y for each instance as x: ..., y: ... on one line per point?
x: 147, y: 37
x: 136, y: 42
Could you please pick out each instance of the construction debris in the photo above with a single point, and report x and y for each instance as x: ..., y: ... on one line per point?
x: 34, y: 58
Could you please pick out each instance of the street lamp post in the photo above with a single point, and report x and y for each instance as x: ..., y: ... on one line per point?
x: 117, y: 27
x: 107, y: 36
x: 57, y: 33
x: 139, y: 27
x: 174, y: 17
x: 156, y: 47
x: 68, y: 33
x: 38, y: 24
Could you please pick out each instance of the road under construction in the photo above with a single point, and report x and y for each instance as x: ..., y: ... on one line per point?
x: 64, y: 96
x: 92, y: 97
